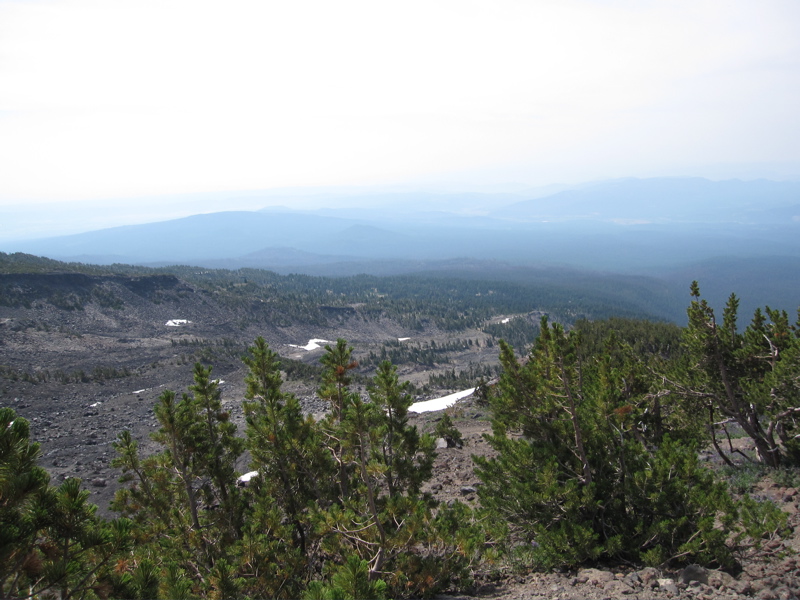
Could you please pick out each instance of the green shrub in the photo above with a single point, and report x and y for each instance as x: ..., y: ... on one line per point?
x: 585, y: 467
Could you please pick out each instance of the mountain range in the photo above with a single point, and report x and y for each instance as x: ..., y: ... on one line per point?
x: 675, y: 229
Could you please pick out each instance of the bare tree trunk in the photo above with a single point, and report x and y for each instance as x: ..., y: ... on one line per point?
x: 573, y: 413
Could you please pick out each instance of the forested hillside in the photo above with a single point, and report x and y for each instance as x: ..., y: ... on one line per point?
x: 438, y: 295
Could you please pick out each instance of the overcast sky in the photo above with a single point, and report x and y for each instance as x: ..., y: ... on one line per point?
x: 106, y: 99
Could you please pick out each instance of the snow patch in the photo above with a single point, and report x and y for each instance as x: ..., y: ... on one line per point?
x: 505, y: 321
x: 312, y: 344
x: 95, y: 404
x: 439, y: 403
x: 177, y: 322
x: 139, y: 391
x: 247, y: 476
x: 403, y: 339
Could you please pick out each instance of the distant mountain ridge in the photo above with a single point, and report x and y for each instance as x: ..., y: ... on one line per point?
x: 627, y: 225
x: 664, y: 200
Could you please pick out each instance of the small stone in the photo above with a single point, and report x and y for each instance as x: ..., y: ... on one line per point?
x: 99, y: 482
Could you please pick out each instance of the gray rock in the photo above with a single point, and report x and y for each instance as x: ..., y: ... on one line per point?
x: 595, y: 576
x: 694, y: 573
x: 721, y: 579
x: 649, y: 577
x: 634, y: 580
x: 668, y: 585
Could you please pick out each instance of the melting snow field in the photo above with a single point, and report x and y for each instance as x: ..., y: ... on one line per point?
x: 439, y: 403
x: 312, y: 344
x: 177, y: 322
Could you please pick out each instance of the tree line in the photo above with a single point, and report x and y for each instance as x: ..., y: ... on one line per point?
x: 450, y: 301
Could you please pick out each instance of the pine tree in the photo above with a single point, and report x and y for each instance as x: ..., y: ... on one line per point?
x: 382, y: 518
x: 285, y: 447
x: 185, y: 499
x: 22, y: 484
x: 407, y: 456
x: 79, y: 545
x: 338, y: 363
x: 578, y: 469
x: 749, y: 377
x: 220, y: 451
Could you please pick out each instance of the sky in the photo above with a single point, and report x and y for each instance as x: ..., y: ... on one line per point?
x: 116, y: 102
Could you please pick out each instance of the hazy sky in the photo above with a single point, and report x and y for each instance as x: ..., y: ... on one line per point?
x: 104, y: 99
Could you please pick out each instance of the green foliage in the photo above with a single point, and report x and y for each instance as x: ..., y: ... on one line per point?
x: 338, y: 363
x: 787, y: 477
x: 464, y: 378
x: 519, y: 332
x: 407, y: 456
x: 743, y: 478
x: 293, y: 473
x: 80, y: 544
x: 761, y: 522
x: 351, y: 581
x: 98, y: 374
x: 608, y: 481
x: 749, y: 378
x: 22, y: 485
x: 445, y: 429
x: 184, y: 501
x: 51, y: 542
x: 343, y: 492
x: 646, y: 338
x: 423, y: 353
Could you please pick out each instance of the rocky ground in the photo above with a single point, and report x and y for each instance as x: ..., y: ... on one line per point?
x: 82, y: 375
x: 771, y: 574
x: 76, y: 418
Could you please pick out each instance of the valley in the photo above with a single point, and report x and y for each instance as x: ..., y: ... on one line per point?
x: 82, y: 368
